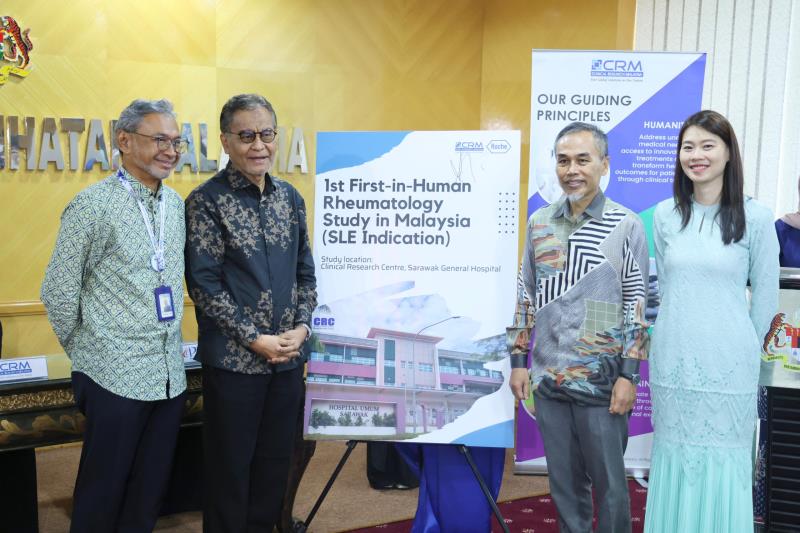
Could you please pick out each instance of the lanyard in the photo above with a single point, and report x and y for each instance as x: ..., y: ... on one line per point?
x: 157, y: 261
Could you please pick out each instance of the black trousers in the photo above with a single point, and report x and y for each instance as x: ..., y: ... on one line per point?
x: 128, y: 447
x: 248, y: 436
x: 302, y: 452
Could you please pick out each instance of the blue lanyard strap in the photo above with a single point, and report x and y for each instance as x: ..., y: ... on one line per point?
x: 158, y: 246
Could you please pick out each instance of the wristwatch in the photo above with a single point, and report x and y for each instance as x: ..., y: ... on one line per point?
x: 633, y: 378
x: 308, y: 330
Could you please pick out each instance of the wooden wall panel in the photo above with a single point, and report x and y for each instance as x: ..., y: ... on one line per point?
x: 345, y: 65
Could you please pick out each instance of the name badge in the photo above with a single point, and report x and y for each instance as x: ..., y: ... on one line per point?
x: 165, y: 307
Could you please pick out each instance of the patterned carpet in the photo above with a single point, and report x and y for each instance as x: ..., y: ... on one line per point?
x: 530, y: 515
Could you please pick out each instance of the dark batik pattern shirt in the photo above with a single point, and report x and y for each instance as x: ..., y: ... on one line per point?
x: 248, y: 267
x: 583, y: 284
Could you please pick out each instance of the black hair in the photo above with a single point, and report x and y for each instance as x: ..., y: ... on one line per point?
x: 730, y: 216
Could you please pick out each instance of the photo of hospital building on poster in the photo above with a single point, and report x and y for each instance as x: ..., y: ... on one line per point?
x: 405, y: 386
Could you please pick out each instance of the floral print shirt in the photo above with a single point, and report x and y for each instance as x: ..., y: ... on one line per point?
x: 249, y: 268
x: 583, y: 282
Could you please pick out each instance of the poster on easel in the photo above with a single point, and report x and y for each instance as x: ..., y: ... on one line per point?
x: 415, y: 243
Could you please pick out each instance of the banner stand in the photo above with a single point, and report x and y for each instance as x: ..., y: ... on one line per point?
x: 302, y: 527
x: 640, y: 99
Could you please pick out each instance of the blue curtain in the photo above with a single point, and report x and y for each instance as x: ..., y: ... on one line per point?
x: 450, y: 498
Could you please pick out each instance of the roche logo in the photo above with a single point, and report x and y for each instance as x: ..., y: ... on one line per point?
x: 616, y: 68
x: 499, y: 146
x: 469, y: 146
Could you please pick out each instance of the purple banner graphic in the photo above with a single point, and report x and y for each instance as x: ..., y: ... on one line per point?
x: 642, y: 115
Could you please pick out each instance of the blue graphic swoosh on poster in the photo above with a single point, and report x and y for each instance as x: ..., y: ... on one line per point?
x: 496, y: 436
x: 343, y: 149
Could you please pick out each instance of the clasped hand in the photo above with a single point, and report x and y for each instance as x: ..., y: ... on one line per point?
x: 280, y: 348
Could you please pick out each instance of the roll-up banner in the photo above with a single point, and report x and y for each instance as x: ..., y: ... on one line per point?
x: 415, y: 243
x: 640, y: 100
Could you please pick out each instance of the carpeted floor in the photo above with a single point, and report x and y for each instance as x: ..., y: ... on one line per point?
x: 528, y: 515
x: 351, y: 503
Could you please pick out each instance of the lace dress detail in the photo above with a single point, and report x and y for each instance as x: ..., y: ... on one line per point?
x: 704, y: 368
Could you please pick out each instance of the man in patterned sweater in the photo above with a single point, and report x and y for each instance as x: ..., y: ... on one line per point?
x: 114, y: 296
x: 251, y: 275
x: 583, y: 284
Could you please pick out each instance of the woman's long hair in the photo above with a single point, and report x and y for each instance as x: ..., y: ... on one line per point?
x: 731, y: 206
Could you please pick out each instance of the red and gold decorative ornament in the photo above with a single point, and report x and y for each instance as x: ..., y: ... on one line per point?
x: 15, y: 49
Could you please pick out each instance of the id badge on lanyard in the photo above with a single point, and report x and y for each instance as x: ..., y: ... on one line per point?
x: 165, y: 305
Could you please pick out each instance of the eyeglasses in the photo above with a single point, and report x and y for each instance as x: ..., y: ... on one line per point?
x: 163, y: 144
x: 249, y: 136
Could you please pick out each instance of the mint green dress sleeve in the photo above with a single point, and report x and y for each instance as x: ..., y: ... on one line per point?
x: 764, y: 271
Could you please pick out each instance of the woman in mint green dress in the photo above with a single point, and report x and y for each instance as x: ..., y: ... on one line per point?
x: 709, y: 241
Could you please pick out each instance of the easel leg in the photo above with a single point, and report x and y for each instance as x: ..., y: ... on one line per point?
x: 301, y: 527
x: 465, y: 451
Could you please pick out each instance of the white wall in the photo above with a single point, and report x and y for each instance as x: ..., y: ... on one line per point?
x: 752, y: 77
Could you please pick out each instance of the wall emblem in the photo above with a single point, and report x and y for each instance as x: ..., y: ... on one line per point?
x: 15, y: 49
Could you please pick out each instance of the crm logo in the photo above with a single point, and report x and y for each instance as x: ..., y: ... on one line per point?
x: 469, y: 146
x: 15, y: 367
x: 616, y: 68
x: 499, y: 146
x: 15, y: 48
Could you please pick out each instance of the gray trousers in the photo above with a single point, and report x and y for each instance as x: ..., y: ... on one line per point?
x: 584, y: 447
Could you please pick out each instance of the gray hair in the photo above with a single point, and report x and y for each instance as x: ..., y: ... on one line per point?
x: 243, y: 102
x: 132, y: 116
x: 600, y: 137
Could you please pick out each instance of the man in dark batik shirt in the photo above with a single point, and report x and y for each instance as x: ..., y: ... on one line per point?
x: 251, y: 275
